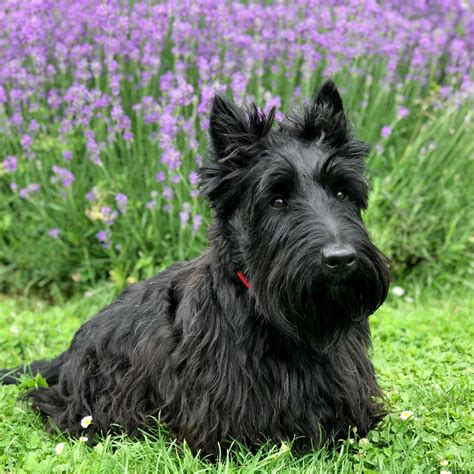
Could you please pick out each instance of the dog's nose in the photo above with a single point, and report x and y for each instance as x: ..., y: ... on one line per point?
x: 339, y: 258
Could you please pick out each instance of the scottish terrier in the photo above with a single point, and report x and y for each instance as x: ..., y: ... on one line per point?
x: 265, y: 336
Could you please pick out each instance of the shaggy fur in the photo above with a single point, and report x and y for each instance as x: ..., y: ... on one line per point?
x: 285, y: 359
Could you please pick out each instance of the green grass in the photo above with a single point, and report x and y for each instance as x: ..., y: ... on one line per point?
x: 422, y: 352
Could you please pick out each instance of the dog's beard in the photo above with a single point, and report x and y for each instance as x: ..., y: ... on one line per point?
x: 301, y: 300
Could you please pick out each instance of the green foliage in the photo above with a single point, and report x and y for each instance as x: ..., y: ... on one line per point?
x: 420, y: 213
x: 422, y: 352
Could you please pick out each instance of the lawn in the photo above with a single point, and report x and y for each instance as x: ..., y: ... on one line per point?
x: 422, y: 352
x: 104, y: 117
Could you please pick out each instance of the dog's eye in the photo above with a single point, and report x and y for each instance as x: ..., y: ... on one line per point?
x: 341, y: 195
x: 279, y: 203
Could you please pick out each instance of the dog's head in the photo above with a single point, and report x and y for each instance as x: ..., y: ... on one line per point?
x: 289, y: 201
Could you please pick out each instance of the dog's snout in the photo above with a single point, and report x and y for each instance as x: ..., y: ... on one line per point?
x: 339, y: 258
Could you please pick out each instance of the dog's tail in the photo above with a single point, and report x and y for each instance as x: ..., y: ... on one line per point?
x: 48, y: 369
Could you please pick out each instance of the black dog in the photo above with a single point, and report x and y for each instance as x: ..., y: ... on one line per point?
x: 264, y: 336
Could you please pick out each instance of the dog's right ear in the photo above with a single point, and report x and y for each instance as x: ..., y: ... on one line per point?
x: 237, y: 138
x: 227, y: 126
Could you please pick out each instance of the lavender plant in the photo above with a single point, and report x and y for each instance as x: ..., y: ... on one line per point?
x: 103, y: 121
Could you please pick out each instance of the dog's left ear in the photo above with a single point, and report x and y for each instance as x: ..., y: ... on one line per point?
x: 328, y: 96
x: 323, y: 118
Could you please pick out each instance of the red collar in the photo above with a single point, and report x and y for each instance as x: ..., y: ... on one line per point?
x: 243, y: 279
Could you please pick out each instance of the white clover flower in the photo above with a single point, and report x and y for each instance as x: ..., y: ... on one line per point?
x: 14, y: 329
x: 83, y: 439
x: 398, y: 291
x: 363, y: 441
x: 404, y: 415
x: 409, y: 300
x: 351, y: 440
x: 86, y: 421
x: 443, y: 462
x: 444, y: 472
x: 59, y: 448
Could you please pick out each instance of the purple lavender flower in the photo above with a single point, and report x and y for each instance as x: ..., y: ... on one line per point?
x: 207, y: 94
x: 26, y: 142
x: 16, y: 120
x: 128, y: 136
x: 403, y: 112
x: 166, y: 81
x: 34, y: 126
x: 168, y: 193
x: 150, y: 204
x: 239, y: 85
x: 111, y: 218
x: 197, y: 221
x: 386, y: 131
x: 91, y: 196
x: 184, y: 218
x: 379, y: 149
x: 30, y: 189
x: 104, y: 236
x: 108, y: 215
x: 122, y: 202
x: 114, y: 50
x: 137, y: 107
x: 184, y: 215
x: 63, y: 174
x: 54, y: 100
x: 93, y: 147
x: 101, y: 236
x: 193, y: 178
x: 272, y: 102
x: 279, y: 116
x: 54, y: 233
x: 445, y: 91
x: 171, y: 158
x: 175, y: 179
x: 10, y: 164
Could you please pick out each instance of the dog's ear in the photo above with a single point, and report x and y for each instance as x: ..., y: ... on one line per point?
x: 237, y: 138
x: 234, y: 131
x: 326, y: 113
x: 227, y: 126
x: 322, y: 119
x: 328, y: 96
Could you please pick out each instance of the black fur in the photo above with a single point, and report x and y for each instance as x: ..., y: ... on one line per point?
x: 286, y: 359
